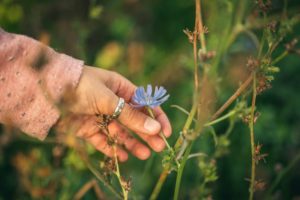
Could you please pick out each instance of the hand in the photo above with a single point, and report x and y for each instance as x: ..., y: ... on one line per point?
x: 98, y: 92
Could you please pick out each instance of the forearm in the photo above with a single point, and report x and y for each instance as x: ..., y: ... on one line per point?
x: 33, y: 78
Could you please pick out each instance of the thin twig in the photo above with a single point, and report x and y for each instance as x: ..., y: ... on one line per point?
x: 238, y: 92
x: 118, y: 174
x: 251, y: 127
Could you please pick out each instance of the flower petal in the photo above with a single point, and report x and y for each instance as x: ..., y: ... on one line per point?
x: 160, y: 93
x: 162, y: 100
x: 140, y: 92
x: 149, y: 90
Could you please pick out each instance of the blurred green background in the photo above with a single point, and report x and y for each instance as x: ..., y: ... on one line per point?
x: 144, y: 41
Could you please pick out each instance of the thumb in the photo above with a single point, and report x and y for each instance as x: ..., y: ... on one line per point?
x: 130, y: 117
x: 138, y: 122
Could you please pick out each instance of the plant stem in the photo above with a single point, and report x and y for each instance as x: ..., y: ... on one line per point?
x: 165, y: 172
x: 280, y: 57
x: 197, y: 30
x: 233, y: 97
x: 80, y: 149
x: 118, y: 174
x: 233, y: 112
x: 229, y: 114
x: 159, y: 184
x: 161, y: 134
x: 199, y: 26
x: 180, y: 171
x: 251, y: 127
x: 194, y: 155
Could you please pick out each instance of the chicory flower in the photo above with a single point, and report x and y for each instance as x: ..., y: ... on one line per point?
x: 143, y: 98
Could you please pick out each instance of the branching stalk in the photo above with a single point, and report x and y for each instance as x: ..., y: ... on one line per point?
x: 180, y: 171
x: 251, y: 127
x: 118, y: 174
x: 238, y: 92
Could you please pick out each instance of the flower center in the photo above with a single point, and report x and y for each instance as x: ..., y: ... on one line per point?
x: 148, y: 99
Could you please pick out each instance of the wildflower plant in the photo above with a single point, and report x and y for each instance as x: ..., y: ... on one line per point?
x: 150, y: 100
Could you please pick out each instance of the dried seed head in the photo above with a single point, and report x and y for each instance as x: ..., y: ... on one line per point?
x: 204, y: 30
x: 126, y: 184
x: 258, y: 156
x: 272, y: 26
x: 259, y: 185
x: 189, y: 34
x: 262, y: 84
x: 109, y: 165
x: 247, y: 118
x: 291, y: 46
x: 252, y: 64
x: 264, y: 6
x: 205, y: 56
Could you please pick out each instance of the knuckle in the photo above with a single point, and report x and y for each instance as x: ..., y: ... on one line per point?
x: 116, y: 75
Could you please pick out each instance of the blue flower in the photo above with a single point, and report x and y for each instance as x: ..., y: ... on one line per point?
x: 143, y: 98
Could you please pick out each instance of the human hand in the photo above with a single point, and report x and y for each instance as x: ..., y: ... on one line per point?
x: 98, y: 92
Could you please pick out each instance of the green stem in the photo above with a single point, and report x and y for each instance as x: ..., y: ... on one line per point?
x: 231, y: 113
x: 159, y: 184
x: 165, y: 172
x: 162, y: 135
x: 280, y: 57
x: 180, y: 171
x: 251, y: 127
x: 118, y: 174
x: 237, y: 93
x: 262, y: 42
x: 230, y: 128
x: 80, y: 149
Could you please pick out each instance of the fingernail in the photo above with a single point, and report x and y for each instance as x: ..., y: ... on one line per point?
x: 151, y: 125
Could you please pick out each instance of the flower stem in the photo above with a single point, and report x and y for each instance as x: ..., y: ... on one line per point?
x: 118, y: 174
x: 180, y: 171
x: 251, y: 127
x: 162, y: 135
x: 165, y: 172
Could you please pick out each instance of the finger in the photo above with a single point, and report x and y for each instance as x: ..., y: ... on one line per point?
x: 90, y: 131
x: 133, y: 145
x: 154, y: 141
x: 121, y: 86
x: 130, y: 117
x: 162, y: 118
x: 137, y: 121
x: 99, y: 141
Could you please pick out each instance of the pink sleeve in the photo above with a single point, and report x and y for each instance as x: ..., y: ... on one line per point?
x: 33, y: 77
